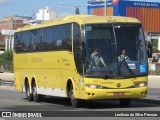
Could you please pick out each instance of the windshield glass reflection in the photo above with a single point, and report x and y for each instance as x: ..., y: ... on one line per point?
x: 115, y: 50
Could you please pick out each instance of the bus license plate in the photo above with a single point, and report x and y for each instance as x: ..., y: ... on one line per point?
x: 119, y: 94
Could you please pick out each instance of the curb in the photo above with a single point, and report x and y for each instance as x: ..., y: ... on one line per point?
x: 12, y: 88
x: 6, y: 83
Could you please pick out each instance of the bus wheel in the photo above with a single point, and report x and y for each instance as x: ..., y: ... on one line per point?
x: 125, y: 102
x: 28, y: 92
x: 74, y: 102
x: 36, y: 97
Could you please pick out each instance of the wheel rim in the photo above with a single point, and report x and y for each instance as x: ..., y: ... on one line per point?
x: 28, y: 91
x: 71, y: 94
x: 34, y: 91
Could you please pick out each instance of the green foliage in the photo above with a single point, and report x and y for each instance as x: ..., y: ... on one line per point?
x: 6, y: 61
x: 154, y: 45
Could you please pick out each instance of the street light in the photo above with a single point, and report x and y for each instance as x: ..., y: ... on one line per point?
x: 76, y: 8
x: 105, y: 6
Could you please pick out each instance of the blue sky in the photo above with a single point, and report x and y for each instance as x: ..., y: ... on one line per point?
x: 29, y: 7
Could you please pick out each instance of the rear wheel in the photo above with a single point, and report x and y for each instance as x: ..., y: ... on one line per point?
x: 36, y: 97
x: 28, y: 92
x: 74, y: 101
x: 125, y: 102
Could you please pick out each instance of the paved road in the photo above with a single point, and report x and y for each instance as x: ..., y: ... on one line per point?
x: 11, y: 100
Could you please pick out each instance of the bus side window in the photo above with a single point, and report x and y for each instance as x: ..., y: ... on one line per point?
x: 25, y: 41
x: 33, y: 39
x: 17, y: 43
x: 58, y: 37
x: 67, y: 37
x: 78, y: 48
x: 49, y: 38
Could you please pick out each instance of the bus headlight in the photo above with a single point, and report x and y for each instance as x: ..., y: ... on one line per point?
x: 94, y: 86
x: 141, y: 84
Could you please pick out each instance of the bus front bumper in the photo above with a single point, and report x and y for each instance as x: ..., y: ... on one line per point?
x: 97, y: 94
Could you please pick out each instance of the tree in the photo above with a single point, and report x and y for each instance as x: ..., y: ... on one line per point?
x: 6, y: 61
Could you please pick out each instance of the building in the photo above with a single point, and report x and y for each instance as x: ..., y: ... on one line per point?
x: 8, y: 25
x: 46, y: 14
x: 43, y: 15
x: 147, y: 11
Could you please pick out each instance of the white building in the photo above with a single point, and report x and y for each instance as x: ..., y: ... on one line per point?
x: 9, y: 39
x: 46, y: 14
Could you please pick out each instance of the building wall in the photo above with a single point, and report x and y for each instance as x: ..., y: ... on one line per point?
x: 2, y: 43
x: 10, y: 23
x: 150, y: 17
x: 100, y: 11
x: 147, y: 12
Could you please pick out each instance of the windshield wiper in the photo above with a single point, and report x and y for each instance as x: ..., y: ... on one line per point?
x: 130, y: 71
x: 107, y: 75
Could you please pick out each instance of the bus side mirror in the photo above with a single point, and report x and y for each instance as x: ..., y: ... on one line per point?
x: 83, y: 51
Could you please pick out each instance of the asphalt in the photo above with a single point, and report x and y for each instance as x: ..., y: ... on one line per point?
x: 153, y: 95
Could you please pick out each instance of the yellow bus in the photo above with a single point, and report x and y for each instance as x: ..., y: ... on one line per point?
x: 78, y: 57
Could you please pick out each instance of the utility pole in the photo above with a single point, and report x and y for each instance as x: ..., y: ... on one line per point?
x: 76, y: 8
x: 77, y: 12
x: 105, y: 6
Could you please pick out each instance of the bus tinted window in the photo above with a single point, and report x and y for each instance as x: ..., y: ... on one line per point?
x: 49, y: 38
x: 45, y: 39
x: 25, y: 41
x: 77, y: 47
x: 33, y: 38
x: 17, y: 42
x: 40, y: 40
x: 67, y: 37
x: 58, y: 37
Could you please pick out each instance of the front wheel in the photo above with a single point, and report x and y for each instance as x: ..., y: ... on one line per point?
x: 74, y: 101
x: 125, y: 102
x: 37, y: 97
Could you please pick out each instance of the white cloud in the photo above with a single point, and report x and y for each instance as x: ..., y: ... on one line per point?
x: 3, y: 2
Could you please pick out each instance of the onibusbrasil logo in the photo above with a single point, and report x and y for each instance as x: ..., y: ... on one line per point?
x: 115, y: 2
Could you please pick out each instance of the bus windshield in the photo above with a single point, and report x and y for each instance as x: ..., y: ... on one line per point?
x: 114, y: 50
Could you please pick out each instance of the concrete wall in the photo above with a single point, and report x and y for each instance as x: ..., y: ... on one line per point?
x: 153, y: 81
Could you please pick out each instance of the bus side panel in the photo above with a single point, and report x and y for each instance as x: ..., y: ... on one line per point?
x: 18, y: 79
x: 68, y: 70
x: 42, y: 67
x: 17, y: 82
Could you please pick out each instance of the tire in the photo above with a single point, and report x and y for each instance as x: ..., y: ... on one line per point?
x: 36, y: 97
x: 29, y: 94
x: 74, y: 102
x: 125, y: 102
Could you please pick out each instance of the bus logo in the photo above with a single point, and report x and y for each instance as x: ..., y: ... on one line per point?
x: 115, y: 2
x: 6, y: 114
x: 118, y: 85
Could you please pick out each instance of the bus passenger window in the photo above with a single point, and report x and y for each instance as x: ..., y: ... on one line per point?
x: 67, y: 38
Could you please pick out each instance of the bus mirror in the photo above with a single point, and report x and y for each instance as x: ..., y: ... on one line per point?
x: 83, y: 51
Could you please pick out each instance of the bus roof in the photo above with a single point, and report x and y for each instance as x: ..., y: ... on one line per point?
x: 81, y: 19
